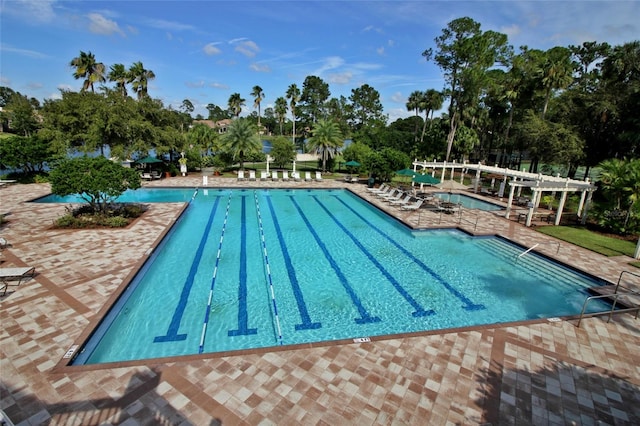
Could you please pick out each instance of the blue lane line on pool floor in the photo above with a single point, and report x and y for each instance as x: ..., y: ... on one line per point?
x: 468, y: 304
x: 207, y: 314
x: 419, y: 310
x: 307, y: 324
x: 364, y: 315
x: 243, y: 315
x: 172, y: 333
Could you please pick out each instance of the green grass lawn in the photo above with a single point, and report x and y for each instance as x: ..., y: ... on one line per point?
x: 593, y: 241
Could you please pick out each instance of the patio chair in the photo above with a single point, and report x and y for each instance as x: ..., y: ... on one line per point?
x: 274, y: 176
x: 296, y: 176
x: 307, y: 176
x: 318, y: 176
x: 252, y: 175
x: 14, y: 274
x: 240, y: 174
x: 414, y: 206
x: 402, y: 202
x: 285, y: 175
x: 391, y: 193
x: 381, y: 188
x: 264, y: 175
x: 395, y: 197
x: 146, y: 176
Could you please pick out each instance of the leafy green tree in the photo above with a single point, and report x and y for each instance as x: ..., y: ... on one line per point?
x: 204, y: 138
x: 139, y: 78
x: 5, y: 95
x: 357, y: 151
x: 216, y: 113
x: 236, y: 102
x: 241, y: 139
x: 384, y: 163
x: 20, y: 112
x: 620, y: 182
x: 187, y: 106
x: 280, y: 111
x: 432, y: 101
x: 283, y: 151
x: 119, y: 74
x: 258, y: 97
x: 30, y: 154
x: 325, y: 141
x: 98, y: 180
x: 465, y: 53
x: 366, y: 108
x: 315, y: 93
x: 88, y: 68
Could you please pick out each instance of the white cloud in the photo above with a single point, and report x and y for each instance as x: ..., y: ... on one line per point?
x: 211, y: 49
x: 511, y: 30
x: 30, y: 10
x: 195, y: 84
x: 219, y: 86
x: 380, y: 50
x: 103, y: 26
x: 168, y: 25
x: 248, y: 48
x: 398, y: 97
x: 23, y: 52
x: 329, y: 63
x: 260, y: 67
x: 340, y: 78
x: 6, y: 81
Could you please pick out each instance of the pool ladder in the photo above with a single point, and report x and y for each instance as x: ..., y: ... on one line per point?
x: 616, y: 295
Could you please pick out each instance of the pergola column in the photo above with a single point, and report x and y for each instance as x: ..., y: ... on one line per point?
x: 583, y: 219
x: 563, y: 199
x: 512, y: 190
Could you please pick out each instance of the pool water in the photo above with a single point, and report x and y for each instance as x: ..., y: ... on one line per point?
x: 468, y: 202
x: 260, y: 268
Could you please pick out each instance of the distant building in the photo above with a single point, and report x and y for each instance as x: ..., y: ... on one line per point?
x: 221, y: 125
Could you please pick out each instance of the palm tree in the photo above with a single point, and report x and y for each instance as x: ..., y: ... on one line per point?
x: 325, y: 141
x: 413, y: 104
x: 240, y: 139
x: 556, y: 72
x: 87, y: 68
x: 293, y: 94
x: 120, y: 76
x: 139, y: 78
x: 281, y: 111
x: 432, y: 101
x: 258, y: 96
x: 235, y: 104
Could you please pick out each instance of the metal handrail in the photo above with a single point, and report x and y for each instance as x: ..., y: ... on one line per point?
x: 475, y: 225
x: 620, y: 279
x: 536, y: 245
x: 615, y: 297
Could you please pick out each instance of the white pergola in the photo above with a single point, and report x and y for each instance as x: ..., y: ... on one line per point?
x: 536, y: 182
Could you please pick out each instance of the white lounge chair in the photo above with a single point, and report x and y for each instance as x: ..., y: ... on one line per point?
x: 252, y: 175
x: 146, y: 176
x: 381, y: 188
x: 240, y: 174
x: 402, y: 202
x: 264, y: 175
x: 391, y: 193
x: 285, y: 175
x: 14, y: 274
x: 414, y: 206
x: 307, y: 176
x: 396, y: 197
x: 296, y: 176
x: 318, y: 176
x: 274, y: 175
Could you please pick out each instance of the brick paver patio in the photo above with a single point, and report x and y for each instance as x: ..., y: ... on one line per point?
x: 539, y: 372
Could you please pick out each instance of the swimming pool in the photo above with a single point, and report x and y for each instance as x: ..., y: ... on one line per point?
x: 246, y: 269
x: 467, y: 201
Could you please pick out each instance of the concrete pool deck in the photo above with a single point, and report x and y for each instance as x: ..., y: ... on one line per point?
x: 539, y: 372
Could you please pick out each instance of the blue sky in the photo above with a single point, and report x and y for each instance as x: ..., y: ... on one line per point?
x: 206, y: 50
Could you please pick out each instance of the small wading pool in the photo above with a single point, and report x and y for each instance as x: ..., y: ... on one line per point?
x: 468, y: 202
x: 246, y: 269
